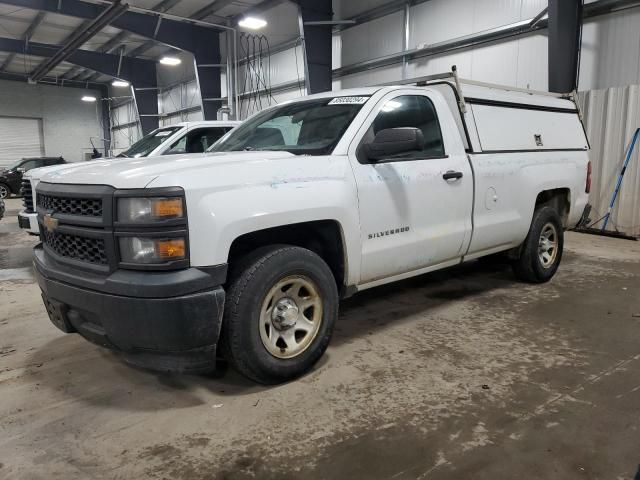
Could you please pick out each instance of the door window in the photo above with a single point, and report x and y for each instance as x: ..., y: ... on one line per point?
x: 149, y: 143
x: 415, y: 111
x: 29, y: 164
x: 197, y: 140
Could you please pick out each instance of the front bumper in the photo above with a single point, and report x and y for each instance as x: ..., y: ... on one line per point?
x: 149, y: 328
x: 29, y: 222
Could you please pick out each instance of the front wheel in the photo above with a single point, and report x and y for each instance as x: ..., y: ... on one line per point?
x: 4, y: 191
x: 541, y: 252
x: 282, y: 303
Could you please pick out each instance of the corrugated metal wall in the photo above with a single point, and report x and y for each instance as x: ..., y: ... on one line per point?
x: 609, y: 57
x: 125, y: 129
x: 611, y: 117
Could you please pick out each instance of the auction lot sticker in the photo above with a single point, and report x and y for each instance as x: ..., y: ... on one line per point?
x: 348, y: 101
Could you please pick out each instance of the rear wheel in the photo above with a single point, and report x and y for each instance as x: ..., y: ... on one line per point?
x: 4, y: 191
x: 541, y: 252
x: 282, y: 303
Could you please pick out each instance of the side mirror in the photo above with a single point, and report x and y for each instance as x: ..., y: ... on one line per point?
x: 392, y: 141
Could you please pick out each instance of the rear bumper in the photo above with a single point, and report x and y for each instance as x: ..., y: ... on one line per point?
x: 177, y: 333
x: 29, y: 222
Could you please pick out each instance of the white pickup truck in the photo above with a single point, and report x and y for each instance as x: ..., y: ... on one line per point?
x: 179, y: 138
x: 173, y: 261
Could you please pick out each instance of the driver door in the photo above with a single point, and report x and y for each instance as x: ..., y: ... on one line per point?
x: 413, y: 215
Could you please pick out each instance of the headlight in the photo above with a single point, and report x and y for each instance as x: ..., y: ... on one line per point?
x: 145, y: 210
x: 147, y: 251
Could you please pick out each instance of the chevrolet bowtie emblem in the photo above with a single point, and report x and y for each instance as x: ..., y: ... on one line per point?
x: 50, y: 223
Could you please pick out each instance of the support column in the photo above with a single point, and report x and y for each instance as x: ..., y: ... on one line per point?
x: 106, y: 120
x: 317, y: 44
x: 206, y: 55
x: 565, y: 21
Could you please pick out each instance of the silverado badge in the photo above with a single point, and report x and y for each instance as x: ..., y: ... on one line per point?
x: 50, y: 223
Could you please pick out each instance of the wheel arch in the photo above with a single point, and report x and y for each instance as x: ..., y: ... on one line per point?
x: 558, y: 199
x: 323, y: 237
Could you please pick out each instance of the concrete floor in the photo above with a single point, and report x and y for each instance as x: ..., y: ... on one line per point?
x: 455, y: 375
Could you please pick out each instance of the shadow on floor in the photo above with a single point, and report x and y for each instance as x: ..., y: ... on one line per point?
x: 74, y: 366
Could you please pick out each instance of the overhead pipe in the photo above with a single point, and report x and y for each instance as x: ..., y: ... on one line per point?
x: 79, y: 38
x: 531, y: 25
x: 466, y: 41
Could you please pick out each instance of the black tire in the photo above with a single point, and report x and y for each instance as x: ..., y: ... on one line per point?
x: 251, y: 280
x: 5, y: 191
x: 529, y: 266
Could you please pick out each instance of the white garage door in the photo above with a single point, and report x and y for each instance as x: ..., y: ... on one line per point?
x: 20, y: 138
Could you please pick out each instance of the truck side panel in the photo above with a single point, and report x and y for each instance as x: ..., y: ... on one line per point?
x: 507, y: 186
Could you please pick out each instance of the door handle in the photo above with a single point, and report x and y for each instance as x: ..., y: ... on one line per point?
x: 451, y: 175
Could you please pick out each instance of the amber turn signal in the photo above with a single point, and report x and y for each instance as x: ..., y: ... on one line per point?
x: 171, y: 248
x: 168, y: 207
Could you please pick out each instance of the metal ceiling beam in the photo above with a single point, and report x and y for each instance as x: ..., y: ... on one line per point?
x: 104, y: 63
x: 79, y: 38
x: 141, y: 49
x: 173, y: 31
x: 21, y: 77
x: 201, y: 14
x: 115, y: 42
x: 26, y: 36
x: 257, y: 9
x: 210, y: 9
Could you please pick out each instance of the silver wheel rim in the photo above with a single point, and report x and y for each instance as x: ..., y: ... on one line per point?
x: 3, y: 191
x: 290, y: 316
x: 548, y: 245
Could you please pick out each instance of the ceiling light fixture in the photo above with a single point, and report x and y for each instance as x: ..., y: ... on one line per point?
x: 252, y: 23
x: 172, y: 61
x: 120, y: 83
x: 89, y: 98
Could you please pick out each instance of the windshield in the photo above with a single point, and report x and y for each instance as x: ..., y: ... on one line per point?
x: 149, y: 143
x: 311, y: 127
x: 16, y: 165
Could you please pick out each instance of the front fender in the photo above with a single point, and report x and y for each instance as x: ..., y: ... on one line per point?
x: 227, y: 201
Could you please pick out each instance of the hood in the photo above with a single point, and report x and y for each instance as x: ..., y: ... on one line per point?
x: 38, y: 173
x: 140, y: 172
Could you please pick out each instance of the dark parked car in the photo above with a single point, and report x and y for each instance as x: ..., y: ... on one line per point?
x: 11, y: 178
